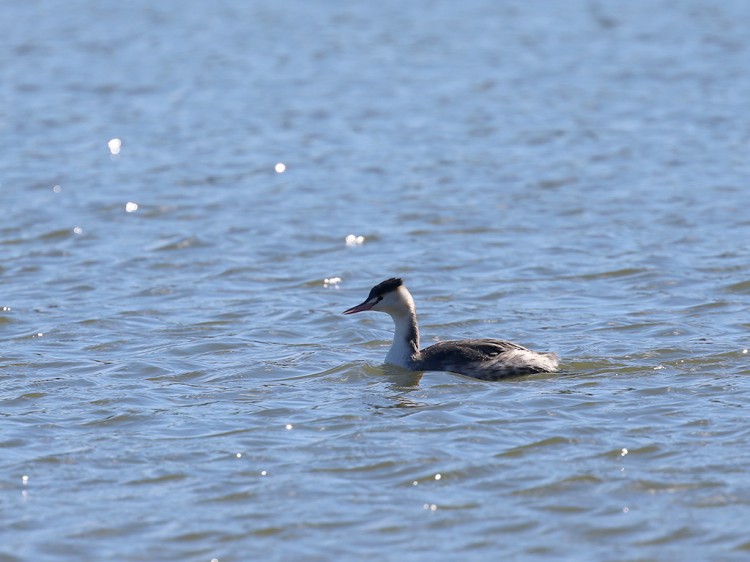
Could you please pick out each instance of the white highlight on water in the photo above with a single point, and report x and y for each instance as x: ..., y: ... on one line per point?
x: 280, y: 168
x: 332, y: 282
x: 131, y: 207
x: 354, y: 240
x: 114, y: 146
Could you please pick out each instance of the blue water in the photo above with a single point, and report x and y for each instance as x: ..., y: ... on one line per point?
x: 177, y: 381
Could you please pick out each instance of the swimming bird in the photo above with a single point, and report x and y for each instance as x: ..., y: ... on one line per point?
x: 486, y: 359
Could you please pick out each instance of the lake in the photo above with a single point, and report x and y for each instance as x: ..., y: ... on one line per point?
x: 193, y: 192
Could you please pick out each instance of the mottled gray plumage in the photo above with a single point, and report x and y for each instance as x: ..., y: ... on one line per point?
x: 485, y: 359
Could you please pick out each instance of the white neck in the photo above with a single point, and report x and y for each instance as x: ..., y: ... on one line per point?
x: 405, y: 346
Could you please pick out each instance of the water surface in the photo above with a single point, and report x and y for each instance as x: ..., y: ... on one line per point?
x: 177, y: 380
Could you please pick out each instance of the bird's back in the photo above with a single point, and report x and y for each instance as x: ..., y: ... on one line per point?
x: 486, y: 359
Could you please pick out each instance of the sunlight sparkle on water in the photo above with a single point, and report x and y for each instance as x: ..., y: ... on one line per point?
x: 289, y: 426
x: 280, y: 168
x: 354, y: 240
x: 263, y: 472
x: 77, y: 230
x: 438, y: 476
x: 114, y: 146
x: 24, y: 479
x: 623, y: 452
x: 331, y: 282
x: 56, y: 188
x: 131, y: 207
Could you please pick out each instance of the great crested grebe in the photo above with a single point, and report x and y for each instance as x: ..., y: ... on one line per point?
x: 485, y: 359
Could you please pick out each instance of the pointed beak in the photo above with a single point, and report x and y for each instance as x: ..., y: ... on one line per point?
x: 367, y: 305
